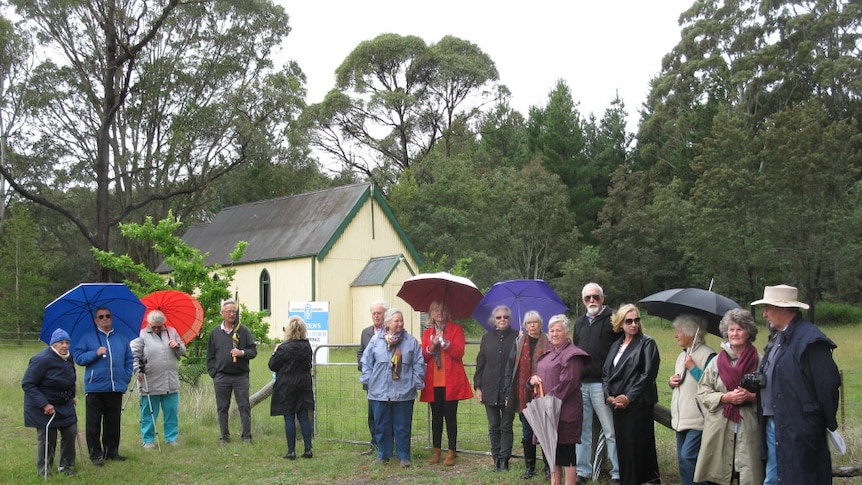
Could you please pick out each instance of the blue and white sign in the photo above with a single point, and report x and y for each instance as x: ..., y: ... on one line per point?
x: 315, y: 314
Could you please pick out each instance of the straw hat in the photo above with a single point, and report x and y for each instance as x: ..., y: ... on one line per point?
x: 781, y: 295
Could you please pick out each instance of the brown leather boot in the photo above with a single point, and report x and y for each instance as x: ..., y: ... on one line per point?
x: 450, y: 458
x: 435, y: 457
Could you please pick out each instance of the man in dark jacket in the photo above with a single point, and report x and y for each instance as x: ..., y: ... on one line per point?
x: 230, y: 348
x: 799, y: 398
x: 108, y: 360
x: 594, y: 334
x: 378, y: 310
x: 49, y: 404
x: 490, y: 385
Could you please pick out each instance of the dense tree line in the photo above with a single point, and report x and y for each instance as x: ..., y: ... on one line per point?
x: 744, y: 171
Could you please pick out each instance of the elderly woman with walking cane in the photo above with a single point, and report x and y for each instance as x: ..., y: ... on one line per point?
x: 49, y: 404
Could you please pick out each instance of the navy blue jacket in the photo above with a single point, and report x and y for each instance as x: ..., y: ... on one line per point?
x: 804, y: 387
x: 49, y: 379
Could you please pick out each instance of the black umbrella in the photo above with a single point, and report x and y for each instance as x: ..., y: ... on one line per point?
x: 669, y: 304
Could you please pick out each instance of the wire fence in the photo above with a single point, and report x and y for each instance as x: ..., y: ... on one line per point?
x: 341, y: 412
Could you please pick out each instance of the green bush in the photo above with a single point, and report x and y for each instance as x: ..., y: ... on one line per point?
x: 837, y: 314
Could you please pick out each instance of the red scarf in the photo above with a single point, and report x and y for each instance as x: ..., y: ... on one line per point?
x: 730, y: 374
x: 525, y: 371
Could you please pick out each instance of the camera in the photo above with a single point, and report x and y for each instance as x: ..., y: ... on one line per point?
x: 753, y: 382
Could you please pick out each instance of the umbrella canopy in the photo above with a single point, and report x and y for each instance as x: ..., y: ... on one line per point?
x: 520, y: 296
x: 543, y: 414
x: 73, y: 311
x: 669, y: 304
x: 458, y: 294
x: 182, y: 311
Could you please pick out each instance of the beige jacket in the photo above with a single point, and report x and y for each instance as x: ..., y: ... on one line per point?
x: 716, y: 460
x: 685, y: 411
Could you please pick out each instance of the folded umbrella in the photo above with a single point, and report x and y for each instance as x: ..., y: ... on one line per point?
x: 543, y: 414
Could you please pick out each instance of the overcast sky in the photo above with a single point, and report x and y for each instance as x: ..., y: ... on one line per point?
x: 598, y: 47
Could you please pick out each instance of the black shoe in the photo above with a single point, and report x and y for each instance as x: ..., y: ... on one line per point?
x: 504, y: 465
x: 290, y: 455
x: 247, y: 441
x: 98, y: 460
x: 67, y: 470
x: 115, y: 458
x: 307, y: 454
x: 581, y: 480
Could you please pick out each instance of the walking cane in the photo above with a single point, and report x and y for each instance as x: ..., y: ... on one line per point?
x: 53, y: 415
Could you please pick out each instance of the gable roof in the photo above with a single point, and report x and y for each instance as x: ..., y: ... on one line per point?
x: 295, y: 226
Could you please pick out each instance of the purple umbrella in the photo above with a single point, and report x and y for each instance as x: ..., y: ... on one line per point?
x: 520, y: 296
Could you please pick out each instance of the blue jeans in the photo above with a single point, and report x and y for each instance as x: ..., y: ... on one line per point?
x: 169, y: 404
x: 594, y: 402
x: 771, y: 460
x: 687, y: 448
x: 393, y: 419
x: 290, y: 430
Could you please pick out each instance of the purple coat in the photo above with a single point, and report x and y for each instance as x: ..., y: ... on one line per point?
x: 560, y: 370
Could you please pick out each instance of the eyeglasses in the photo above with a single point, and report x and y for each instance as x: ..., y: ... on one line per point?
x: 502, y: 317
x: 630, y: 321
x: 532, y: 322
x: 593, y: 297
x: 102, y: 317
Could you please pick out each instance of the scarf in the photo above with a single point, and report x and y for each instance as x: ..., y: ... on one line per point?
x: 731, y: 375
x: 525, y: 370
x: 392, y: 342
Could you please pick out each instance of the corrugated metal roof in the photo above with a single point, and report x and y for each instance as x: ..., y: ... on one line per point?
x: 377, y: 271
x: 276, y: 229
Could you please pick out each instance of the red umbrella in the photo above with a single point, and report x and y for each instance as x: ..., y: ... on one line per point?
x: 182, y: 311
x: 459, y: 295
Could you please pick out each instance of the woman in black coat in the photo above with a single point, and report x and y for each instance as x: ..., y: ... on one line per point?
x: 49, y: 404
x: 628, y: 380
x: 292, y: 394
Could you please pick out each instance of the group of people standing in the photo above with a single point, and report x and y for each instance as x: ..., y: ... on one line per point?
x: 748, y: 418
x: 604, y: 366
x: 395, y: 366
x: 738, y: 415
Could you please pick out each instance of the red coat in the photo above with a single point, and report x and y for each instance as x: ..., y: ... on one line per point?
x: 457, y: 385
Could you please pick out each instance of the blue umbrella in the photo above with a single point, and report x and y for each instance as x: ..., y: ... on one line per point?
x: 520, y: 296
x: 74, y: 310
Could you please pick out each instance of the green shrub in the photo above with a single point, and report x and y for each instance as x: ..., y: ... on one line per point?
x: 837, y: 314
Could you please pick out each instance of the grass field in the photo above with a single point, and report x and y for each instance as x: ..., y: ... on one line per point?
x: 199, y: 459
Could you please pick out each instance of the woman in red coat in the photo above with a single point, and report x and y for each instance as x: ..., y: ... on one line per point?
x: 445, y: 380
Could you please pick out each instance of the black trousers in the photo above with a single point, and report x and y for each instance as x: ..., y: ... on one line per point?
x: 103, y: 423
x: 442, y: 409
x: 67, y: 447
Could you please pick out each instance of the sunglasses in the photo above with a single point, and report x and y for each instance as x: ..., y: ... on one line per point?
x: 102, y: 317
x: 630, y: 321
x: 593, y: 297
x: 502, y: 317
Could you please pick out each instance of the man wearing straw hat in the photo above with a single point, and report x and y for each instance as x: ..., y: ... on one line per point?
x: 798, y: 395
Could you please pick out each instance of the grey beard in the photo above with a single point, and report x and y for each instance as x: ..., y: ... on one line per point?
x: 594, y: 310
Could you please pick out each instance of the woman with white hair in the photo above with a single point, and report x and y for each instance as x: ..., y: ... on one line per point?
x: 685, y: 411
x: 559, y: 372
x: 393, y: 369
